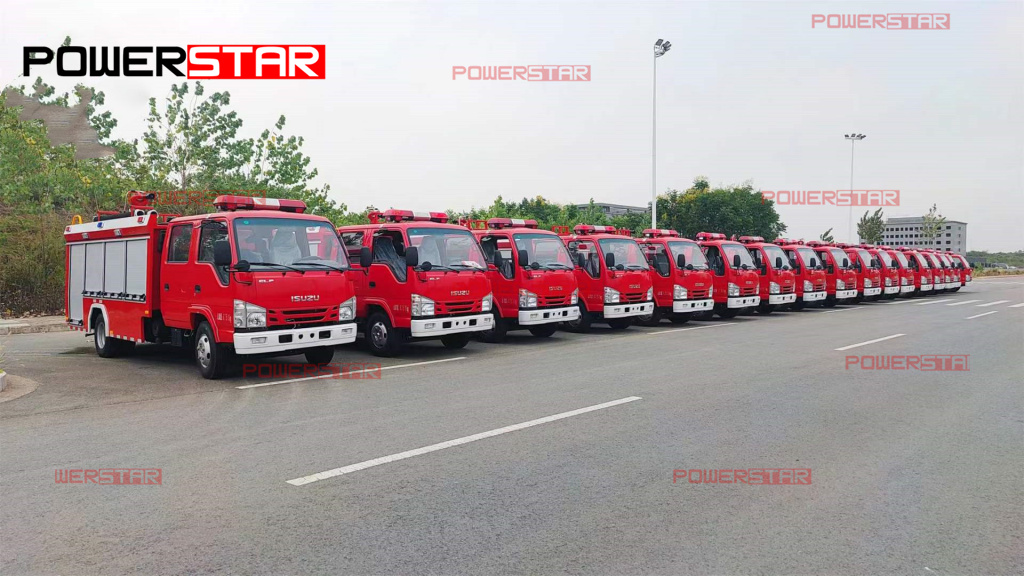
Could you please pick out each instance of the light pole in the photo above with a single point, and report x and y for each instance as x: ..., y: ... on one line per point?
x: 853, y: 140
x: 660, y: 47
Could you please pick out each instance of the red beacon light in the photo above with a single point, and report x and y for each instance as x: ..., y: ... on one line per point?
x: 499, y: 223
x: 233, y: 203
x: 705, y: 236
x: 660, y: 233
x: 750, y: 239
x: 818, y: 243
x: 591, y: 229
x: 788, y: 242
x: 843, y: 245
x: 407, y: 216
x: 866, y: 246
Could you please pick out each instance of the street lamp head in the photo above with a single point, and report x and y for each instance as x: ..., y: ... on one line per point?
x: 660, y: 47
x: 658, y: 43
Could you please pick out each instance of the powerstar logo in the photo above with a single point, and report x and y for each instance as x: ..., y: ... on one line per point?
x: 200, y: 61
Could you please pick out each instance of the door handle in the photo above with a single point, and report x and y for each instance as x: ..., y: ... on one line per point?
x: 373, y: 284
x: 198, y: 289
x: 166, y: 287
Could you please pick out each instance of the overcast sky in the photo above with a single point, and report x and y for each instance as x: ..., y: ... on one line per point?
x: 749, y: 91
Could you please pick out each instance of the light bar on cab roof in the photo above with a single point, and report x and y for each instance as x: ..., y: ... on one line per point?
x: 750, y: 239
x: 818, y: 244
x: 590, y: 229
x: 867, y: 246
x: 408, y: 216
x: 232, y: 203
x: 498, y: 223
x: 788, y: 242
x: 702, y: 236
x: 660, y: 233
x: 844, y: 245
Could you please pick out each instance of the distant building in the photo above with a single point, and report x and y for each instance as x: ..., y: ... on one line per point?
x: 907, y: 232
x: 616, y: 209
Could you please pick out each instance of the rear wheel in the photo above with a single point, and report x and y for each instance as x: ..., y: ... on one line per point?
x: 544, y: 330
x: 211, y: 358
x: 652, y: 319
x: 498, y: 332
x: 320, y: 355
x: 455, y: 341
x: 382, y: 338
x: 620, y: 323
x: 107, y: 346
x: 581, y: 324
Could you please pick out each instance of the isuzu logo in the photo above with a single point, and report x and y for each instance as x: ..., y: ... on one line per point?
x: 460, y: 292
x: 634, y: 286
x: 555, y: 288
x: 306, y: 298
x: 698, y: 284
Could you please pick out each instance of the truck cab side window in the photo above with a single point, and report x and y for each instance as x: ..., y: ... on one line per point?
x: 591, y: 263
x: 353, y: 242
x: 715, y: 261
x: 208, y: 235
x: 658, y: 258
x: 490, y: 246
x: 180, y: 241
x: 388, y: 248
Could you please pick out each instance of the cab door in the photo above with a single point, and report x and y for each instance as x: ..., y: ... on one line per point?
x: 503, y: 279
x: 211, y: 290
x: 588, y: 278
x: 176, y: 276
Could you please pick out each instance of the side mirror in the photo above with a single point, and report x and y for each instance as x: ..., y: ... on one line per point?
x: 221, y: 253
x: 524, y: 258
x: 412, y: 256
x: 873, y: 263
x: 814, y: 262
x: 609, y: 260
x: 778, y: 262
x: 580, y: 260
x: 681, y: 262
x: 735, y: 260
x: 846, y: 262
x: 365, y: 258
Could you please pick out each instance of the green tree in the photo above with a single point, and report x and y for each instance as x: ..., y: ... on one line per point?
x: 737, y: 209
x: 870, y: 228
x: 932, y: 225
x: 826, y: 236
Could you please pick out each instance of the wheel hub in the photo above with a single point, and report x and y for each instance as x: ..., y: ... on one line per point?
x: 379, y: 334
x: 203, y: 351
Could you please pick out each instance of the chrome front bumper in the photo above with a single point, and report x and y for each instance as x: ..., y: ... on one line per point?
x: 451, y: 325
x: 683, y: 306
x: 266, y: 341
x: 548, y: 315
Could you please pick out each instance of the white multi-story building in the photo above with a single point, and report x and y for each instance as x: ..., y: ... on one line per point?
x: 908, y: 232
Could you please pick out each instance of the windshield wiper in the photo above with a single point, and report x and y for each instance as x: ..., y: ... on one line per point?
x: 294, y: 269
x: 636, y: 267
x: 331, y: 266
x: 465, y: 267
x: 556, y: 266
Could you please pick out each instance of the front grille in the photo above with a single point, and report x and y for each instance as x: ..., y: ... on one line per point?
x: 551, y: 301
x: 452, y: 308
x: 301, y: 316
x: 819, y: 287
x: 788, y: 289
x: 749, y: 291
x: 630, y: 297
x: 698, y: 294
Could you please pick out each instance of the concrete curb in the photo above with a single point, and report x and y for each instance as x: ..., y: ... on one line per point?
x: 3, y: 381
x: 6, y: 330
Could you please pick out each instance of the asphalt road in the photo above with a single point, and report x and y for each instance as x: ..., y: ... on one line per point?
x: 912, y: 472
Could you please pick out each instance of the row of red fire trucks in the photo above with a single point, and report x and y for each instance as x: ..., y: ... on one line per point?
x: 261, y: 277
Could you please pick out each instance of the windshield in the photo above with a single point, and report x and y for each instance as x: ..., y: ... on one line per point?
x: 865, y: 257
x: 289, y: 242
x: 806, y: 254
x: 886, y: 259
x: 922, y: 261
x: 627, y: 253
x: 945, y: 260
x: 545, y: 249
x: 693, y: 254
x: 838, y: 255
x: 775, y: 253
x: 447, y: 248
x: 732, y: 250
x: 903, y: 260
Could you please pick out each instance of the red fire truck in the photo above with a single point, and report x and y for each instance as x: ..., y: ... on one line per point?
x: 921, y: 268
x: 869, y: 275
x: 612, y: 275
x: 531, y: 274
x: 906, y: 272
x: 889, y: 269
x: 966, y: 272
x: 257, y: 277
x: 679, y: 272
x: 737, y: 286
x: 940, y: 276
x: 418, y: 277
x: 778, y: 282
x: 840, y: 279
x: 951, y: 275
x: 810, y: 274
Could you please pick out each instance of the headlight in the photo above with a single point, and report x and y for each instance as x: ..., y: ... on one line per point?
x: 711, y: 291
x: 733, y: 289
x: 575, y: 298
x: 347, y: 310
x: 611, y: 296
x: 249, y: 315
x: 679, y: 293
x: 888, y: 281
x: 968, y: 277
x: 486, y: 303
x: 904, y: 281
x: 867, y: 283
x: 840, y: 285
x: 527, y: 299
x: 422, y: 306
x: 773, y: 288
x: 650, y: 294
x: 808, y: 286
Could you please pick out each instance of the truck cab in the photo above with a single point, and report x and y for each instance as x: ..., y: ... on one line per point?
x: 612, y: 275
x: 889, y: 270
x: 840, y: 279
x: 778, y: 281
x: 737, y: 287
x: 940, y: 276
x: 906, y: 273
x: 922, y: 269
x: 417, y: 277
x: 532, y: 277
x: 810, y: 273
x: 682, y: 282
x: 258, y: 277
x: 952, y: 275
x: 869, y: 274
x: 966, y: 272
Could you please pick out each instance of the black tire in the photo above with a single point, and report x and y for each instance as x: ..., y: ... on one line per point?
x: 799, y: 304
x: 725, y: 312
x: 581, y: 324
x: 382, y: 338
x: 652, y: 319
x: 320, y: 355
x: 544, y: 330
x: 211, y: 358
x: 704, y: 316
x: 498, y: 332
x: 107, y: 346
x: 620, y: 323
x: 829, y: 302
x: 455, y: 341
x: 680, y: 318
x: 765, y: 309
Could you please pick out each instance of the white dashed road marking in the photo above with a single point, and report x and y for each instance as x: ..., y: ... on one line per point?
x: 992, y: 303
x: 961, y: 303
x: 980, y: 315
x: 927, y: 302
x: 859, y: 344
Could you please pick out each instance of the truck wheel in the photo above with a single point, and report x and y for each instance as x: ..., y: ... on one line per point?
x: 382, y: 338
x: 652, y: 319
x: 830, y: 302
x: 455, y: 341
x: 320, y: 355
x: 681, y: 318
x: 726, y: 312
x: 581, y: 324
x: 799, y: 304
x: 211, y: 357
x: 107, y: 347
x: 620, y: 323
x: 544, y: 330
x: 765, y: 308
x: 498, y: 332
